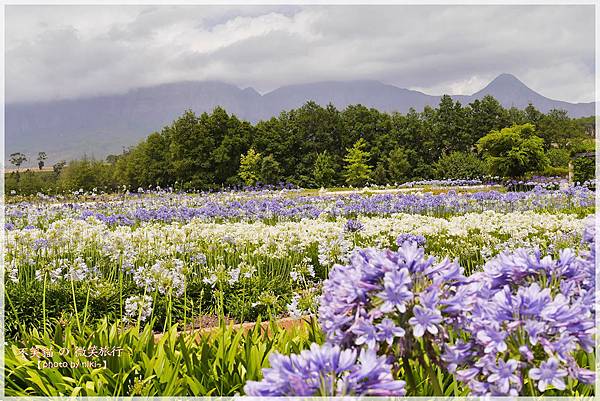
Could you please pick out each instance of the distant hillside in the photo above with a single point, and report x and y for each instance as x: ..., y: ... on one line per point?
x: 98, y: 126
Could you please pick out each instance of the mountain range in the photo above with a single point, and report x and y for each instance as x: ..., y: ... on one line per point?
x: 101, y: 125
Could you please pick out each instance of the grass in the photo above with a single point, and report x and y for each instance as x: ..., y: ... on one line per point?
x: 217, y: 364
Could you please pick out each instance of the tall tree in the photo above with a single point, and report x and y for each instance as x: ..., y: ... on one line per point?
x: 357, y: 168
x: 41, y: 159
x: 558, y: 130
x: 16, y: 159
x: 250, y: 166
x: 324, y: 171
x: 398, y: 165
x: 270, y: 171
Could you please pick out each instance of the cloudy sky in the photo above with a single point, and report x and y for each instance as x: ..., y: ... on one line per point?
x: 72, y: 51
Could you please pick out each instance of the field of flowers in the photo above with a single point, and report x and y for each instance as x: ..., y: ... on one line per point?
x: 411, y: 292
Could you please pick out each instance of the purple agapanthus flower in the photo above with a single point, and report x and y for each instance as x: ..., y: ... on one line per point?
x: 455, y: 355
x: 379, y: 285
x: 395, y: 293
x: 503, y: 374
x: 549, y: 374
x: 493, y: 339
x: 353, y: 226
x: 327, y: 370
x: 387, y: 330
x: 424, y: 320
x: 536, y: 304
x: 365, y: 333
x: 416, y: 238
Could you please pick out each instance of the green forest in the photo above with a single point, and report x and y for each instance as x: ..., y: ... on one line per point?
x: 315, y: 146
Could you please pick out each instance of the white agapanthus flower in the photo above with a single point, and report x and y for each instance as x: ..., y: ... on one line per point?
x: 211, y: 280
x: 234, y: 276
x: 137, y: 307
x: 292, y: 307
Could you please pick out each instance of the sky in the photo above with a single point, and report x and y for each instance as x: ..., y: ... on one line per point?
x: 57, y: 52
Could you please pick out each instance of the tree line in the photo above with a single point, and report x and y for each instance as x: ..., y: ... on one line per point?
x: 314, y: 146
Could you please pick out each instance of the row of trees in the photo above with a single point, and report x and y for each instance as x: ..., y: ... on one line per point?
x: 17, y: 159
x: 312, y: 145
x: 323, y: 146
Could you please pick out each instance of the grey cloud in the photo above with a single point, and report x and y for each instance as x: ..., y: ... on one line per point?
x: 61, y: 51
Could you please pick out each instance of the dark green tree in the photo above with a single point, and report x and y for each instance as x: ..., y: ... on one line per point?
x: 324, y: 172
x: 558, y: 130
x: 41, y: 159
x: 58, y: 167
x: 16, y: 159
x: 460, y: 165
x: 270, y: 171
x: 398, y: 165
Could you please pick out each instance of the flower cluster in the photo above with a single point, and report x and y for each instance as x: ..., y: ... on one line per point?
x: 380, y: 293
x: 137, y: 307
x: 353, y: 226
x: 327, y: 370
x: 163, y: 276
x: 241, y: 206
x: 515, y: 328
x: 417, y: 238
x: 530, y: 315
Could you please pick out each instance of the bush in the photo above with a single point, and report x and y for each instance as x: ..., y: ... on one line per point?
x: 558, y: 157
x: 514, y: 151
x: 458, y: 165
x: 555, y: 171
x: 30, y: 182
x: 87, y: 174
x: 584, y: 169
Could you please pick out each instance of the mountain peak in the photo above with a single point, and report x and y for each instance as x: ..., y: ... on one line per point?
x: 509, y: 90
x: 506, y: 79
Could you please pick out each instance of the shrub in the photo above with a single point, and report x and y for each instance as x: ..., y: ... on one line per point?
x: 558, y: 157
x: 584, y: 169
x: 459, y: 165
x: 514, y: 151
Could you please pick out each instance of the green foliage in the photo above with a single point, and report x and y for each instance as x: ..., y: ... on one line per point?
x: 584, y: 169
x: 250, y: 167
x: 512, y: 152
x: 588, y: 124
x: 460, y: 165
x: 87, y: 174
x: 30, y: 182
x: 270, y: 170
x: 177, y: 364
x: 557, y: 129
x: 306, y: 146
x: 16, y: 159
x: 41, y: 159
x: 398, y: 165
x: 357, y: 168
x: 379, y: 175
x: 558, y: 157
x: 324, y: 170
x: 550, y: 171
x: 25, y: 304
x: 583, y: 146
x: 58, y: 167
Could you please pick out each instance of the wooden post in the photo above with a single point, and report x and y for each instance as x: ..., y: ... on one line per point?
x: 570, y: 172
